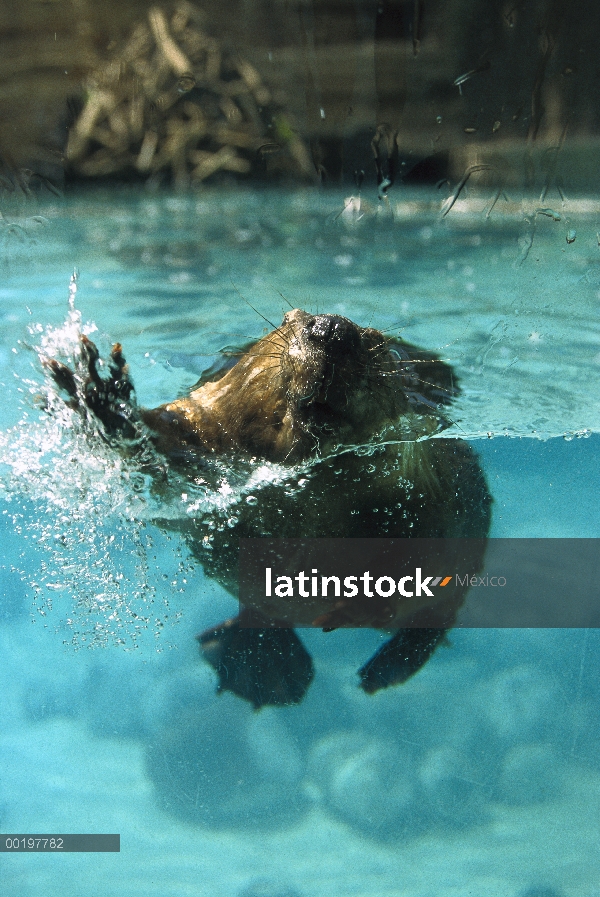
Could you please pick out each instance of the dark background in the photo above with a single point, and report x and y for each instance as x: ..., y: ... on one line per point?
x: 367, y: 65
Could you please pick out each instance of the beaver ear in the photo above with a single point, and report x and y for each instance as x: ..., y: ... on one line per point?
x: 434, y: 380
x: 227, y: 358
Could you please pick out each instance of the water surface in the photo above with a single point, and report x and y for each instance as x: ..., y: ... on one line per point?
x: 479, y: 775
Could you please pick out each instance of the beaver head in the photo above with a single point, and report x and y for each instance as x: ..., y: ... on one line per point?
x: 313, y: 384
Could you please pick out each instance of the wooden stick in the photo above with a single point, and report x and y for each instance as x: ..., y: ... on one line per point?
x: 160, y: 29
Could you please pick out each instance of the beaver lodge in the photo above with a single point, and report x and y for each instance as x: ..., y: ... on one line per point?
x: 174, y: 103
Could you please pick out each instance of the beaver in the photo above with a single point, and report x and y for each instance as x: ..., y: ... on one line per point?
x: 350, y: 411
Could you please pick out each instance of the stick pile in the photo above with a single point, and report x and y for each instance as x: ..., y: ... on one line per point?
x: 173, y: 102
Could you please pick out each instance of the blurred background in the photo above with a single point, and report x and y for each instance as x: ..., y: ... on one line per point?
x: 325, y: 91
x: 482, y: 774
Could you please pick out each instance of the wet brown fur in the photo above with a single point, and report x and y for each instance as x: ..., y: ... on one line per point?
x: 354, y: 408
x: 287, y: 401
x: 313, y: 389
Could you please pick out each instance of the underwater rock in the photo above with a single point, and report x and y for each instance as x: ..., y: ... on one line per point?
x: 531, y: 774
x: 174, y: 692
x: 520, y: 704
x: 542, y: 891
x: 367, y: 782
x: 453, y: 788
x: 114, y: 693
x: 264, y: 887
x: 219, y: 765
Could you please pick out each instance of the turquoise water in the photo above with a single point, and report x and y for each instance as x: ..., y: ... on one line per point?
x: 481, y: 774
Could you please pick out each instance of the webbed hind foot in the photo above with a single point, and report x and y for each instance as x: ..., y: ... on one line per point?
x: 265, y: 666
x: 399, y: 658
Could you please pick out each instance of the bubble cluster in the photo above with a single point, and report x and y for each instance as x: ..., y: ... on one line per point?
x: 99, y: 523
x: 81, y: 508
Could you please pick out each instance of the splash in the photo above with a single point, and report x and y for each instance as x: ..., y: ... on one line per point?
x: 86, y: 512
x: 98, y: 523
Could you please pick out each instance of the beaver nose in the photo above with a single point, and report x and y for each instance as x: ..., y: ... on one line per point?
x: 337, y: 334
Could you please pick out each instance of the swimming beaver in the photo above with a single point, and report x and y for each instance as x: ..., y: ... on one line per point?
x: 314, y: 392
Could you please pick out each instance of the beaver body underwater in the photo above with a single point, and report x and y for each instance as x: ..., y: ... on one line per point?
x: 353, y: 408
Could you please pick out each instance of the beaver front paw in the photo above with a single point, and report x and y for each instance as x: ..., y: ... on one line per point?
x: 110, y: 399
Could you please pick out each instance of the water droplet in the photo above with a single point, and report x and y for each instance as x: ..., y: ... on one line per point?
x: 186, y: 83
x: 268, y: 149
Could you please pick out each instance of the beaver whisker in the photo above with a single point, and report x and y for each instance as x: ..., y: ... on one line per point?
x: 383, y: 343
x: 261, y: 355
x: 255, y: 310
x: 378, y: 350
x: 286, y: 460
x: 415, y: 376
x: 432, y: 360
x: 271, y: 367
x: 278, y: 333
x: 346, y: 406
x: 278, y: 348
x: 285, y: 300
x: 303, y: 400
x: 426, y: 382
x: 396, y: 327
x: 278, y: 339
